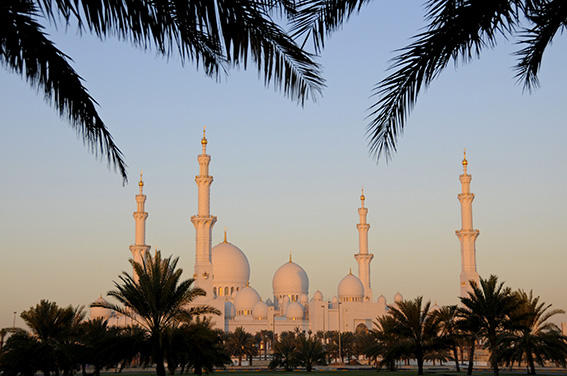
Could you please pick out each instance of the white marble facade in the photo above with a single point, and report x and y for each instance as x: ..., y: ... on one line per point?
x: 223, y: 271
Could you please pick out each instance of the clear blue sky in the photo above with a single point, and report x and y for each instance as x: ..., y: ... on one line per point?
x: 286, y: 177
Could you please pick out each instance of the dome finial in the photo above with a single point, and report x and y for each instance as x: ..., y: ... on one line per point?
x: 465, y: 162
x: 362, y: 196
x: 204, y: 140
x: 290, y: 256
x: 141, y: 182
x: 225, y: 235
x: 350, y: 271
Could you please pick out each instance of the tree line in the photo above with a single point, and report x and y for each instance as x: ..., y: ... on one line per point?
x: 174, y: 335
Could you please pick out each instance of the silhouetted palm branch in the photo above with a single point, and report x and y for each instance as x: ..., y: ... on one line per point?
x: 213, y: 34
x: 316, y: 19
x: 548, y: 18
x: 457, y: 30
x: 26, y: 50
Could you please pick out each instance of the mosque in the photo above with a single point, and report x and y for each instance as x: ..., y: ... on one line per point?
x: 223, y: 271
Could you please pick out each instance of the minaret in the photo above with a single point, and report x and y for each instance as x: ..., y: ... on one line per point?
x: 203, y: 223
x: 363, y: 257
x: 467, y: 235
x: 139, y: 248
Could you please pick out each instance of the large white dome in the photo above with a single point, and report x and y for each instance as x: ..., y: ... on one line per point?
x: 350, y: 288
x: 246, y: 299
x: 230, y: 265
x: 290, y: 279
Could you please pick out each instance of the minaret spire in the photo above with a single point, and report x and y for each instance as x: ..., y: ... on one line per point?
x: 467, y: 234
x: 139, y: 248
x: 363, y: 258
x: 203, y: 222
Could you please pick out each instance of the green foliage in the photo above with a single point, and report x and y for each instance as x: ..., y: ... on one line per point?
x: 489, y: 306
x: 309, y: 351
x: 285, y: 352
x: 534, y: 339
x: 156, y: 298
x: 23, y: 354
x: 240, y: 343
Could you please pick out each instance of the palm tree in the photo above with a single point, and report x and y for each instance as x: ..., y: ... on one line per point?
x: 535, y: 339
x: 309, y: 351
x: 446, y: 318
x: 285, y: 352
x: 156, y: 299
x: 469, y: 329
x: 490, y: 304
x: 457, y: 31
x: 385, y: 342
x: 215, y: 35
x: 266, y: 337
x: 57, y: 330
x: 416, y: 329
x: 240, y: 344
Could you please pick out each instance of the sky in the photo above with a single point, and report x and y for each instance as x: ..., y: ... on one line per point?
x: 286, y: 177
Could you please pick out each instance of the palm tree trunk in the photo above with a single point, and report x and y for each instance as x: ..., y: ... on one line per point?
x: 158, y: 355
x: 420, y: 365
x: 530, y: 361
x: 456, y: 355
x: 239, y: 360
x: 471, y: 357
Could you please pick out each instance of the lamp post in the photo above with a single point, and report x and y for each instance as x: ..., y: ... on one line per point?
x: 340, y: 347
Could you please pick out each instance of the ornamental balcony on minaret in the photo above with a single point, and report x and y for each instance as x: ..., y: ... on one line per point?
x: 203, y: 223
x: 139, y: 248
x: 363, y: 258
x: 467, y: 235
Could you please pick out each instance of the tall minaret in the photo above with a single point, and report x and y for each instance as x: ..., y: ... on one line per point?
x: 203, y: 223
x: 139, y: 248
x: 363, y: 257
x: 467, y: 235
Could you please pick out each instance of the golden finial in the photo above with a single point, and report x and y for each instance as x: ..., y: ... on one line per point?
x: 247, y: 283
x: 289, y: 256
x: 350, y: 271
x: 141, y: 182
x: 465, y: 162
x: 362, y: 197
x: 225, y: 235
x: 204, y: 139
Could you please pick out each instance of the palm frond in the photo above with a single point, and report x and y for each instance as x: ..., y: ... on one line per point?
x: 26, y: 50
x: 548, y: 19
x: 458, y: 30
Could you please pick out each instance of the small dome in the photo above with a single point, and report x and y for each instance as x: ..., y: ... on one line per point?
x: 290, y: 279
x: 294, y: 311
x: 230, y: 265
x: 381, y: 300
x: 246, y: 298
x: 269, y: 302
x: 260, y: 311
x: 229, y: 310
x: 99, y: 312
x: 318, y: 296
x: 350, y: 287
x: 398, y: 298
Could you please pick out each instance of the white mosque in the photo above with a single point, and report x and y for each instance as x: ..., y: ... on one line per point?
x: 223, y: 271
